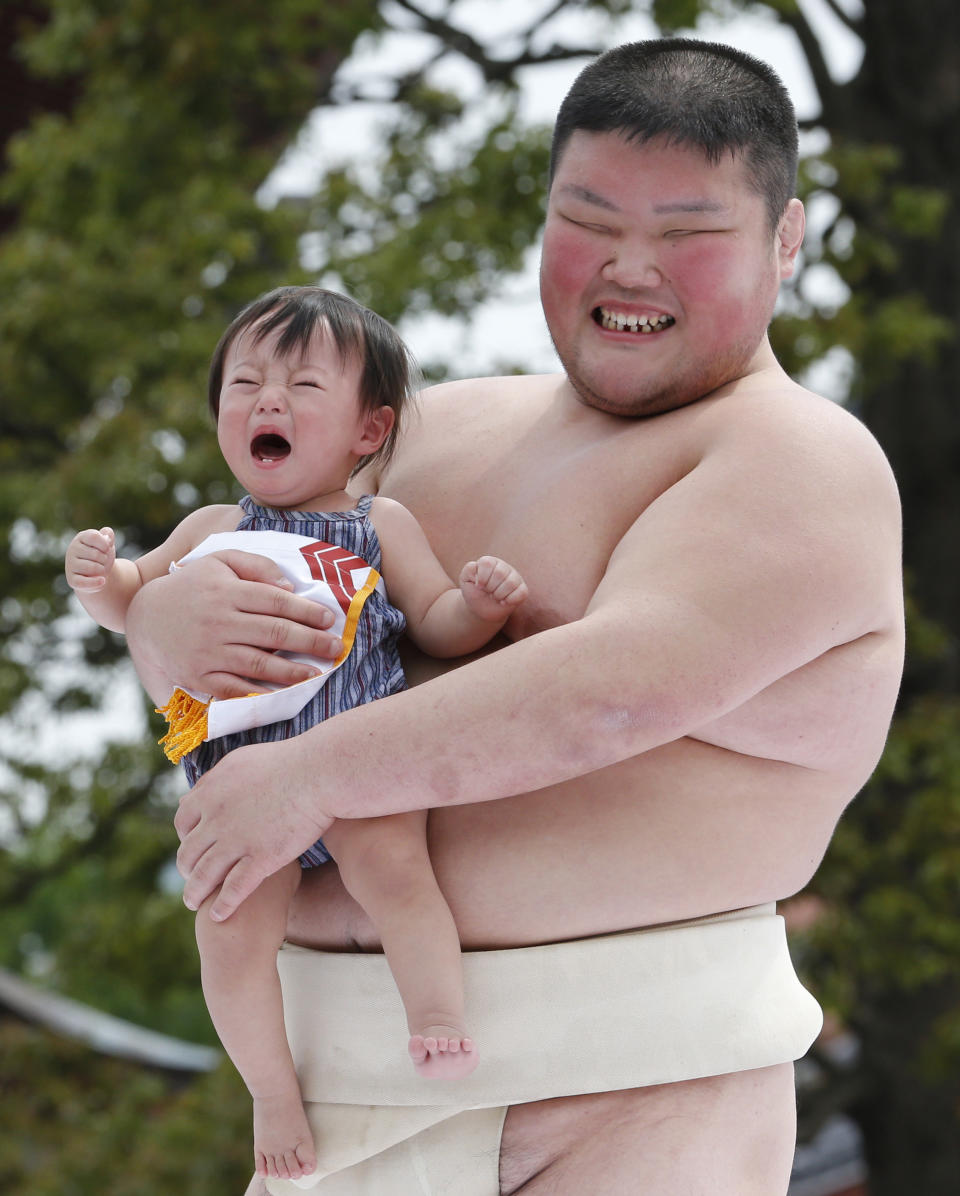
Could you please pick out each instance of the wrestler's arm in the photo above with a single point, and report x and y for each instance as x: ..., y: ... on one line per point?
x: 763, y: 557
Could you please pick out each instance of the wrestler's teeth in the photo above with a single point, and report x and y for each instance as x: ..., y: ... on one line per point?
x: 617, y: 322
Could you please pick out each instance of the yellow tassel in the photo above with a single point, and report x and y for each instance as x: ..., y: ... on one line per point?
x: 187, y: 717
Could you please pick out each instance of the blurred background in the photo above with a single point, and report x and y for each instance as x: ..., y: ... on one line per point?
x: 164, y: 162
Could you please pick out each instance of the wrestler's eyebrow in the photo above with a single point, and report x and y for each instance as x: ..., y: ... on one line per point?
x: 690, y: 205
x: 575, y: 191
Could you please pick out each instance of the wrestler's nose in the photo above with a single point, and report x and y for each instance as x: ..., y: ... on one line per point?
x: 632, y: 265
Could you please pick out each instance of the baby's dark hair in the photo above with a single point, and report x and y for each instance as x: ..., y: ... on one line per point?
x: 689, y: 92
x: 389, y: 376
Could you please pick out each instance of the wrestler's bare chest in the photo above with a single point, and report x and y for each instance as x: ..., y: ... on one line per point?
x: 525, y: 472
x: 551, y: 487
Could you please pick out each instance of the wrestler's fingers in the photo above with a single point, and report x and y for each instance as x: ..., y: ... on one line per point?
x: 270, y: 619
x: 249, y: 669
x: 193, y: 847
x: 204, y: 878
x: 186, y: 817
x: 196, y: 859
x: 252, y: 566
x: 276, y: 600
x: 255, y: 672
x: 237, y: 886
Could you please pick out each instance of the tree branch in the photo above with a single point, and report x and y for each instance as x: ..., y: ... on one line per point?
x: 493, y: 70
x: 852, y: 23
x: 456, y: 39
x: 827, y: 88
x: 24, y: 433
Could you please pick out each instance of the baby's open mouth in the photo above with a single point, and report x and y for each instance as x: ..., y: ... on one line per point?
x: 618, y: 322
x: 269, y: 447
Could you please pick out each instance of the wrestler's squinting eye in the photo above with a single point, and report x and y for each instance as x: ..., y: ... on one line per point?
x: 269, y: 447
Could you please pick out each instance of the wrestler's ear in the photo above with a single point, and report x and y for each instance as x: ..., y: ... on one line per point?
x: 790, y: 237
x: 373, y: 430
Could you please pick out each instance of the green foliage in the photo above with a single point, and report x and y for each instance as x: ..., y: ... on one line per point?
x: 886, y: 953
x: 136, y: 234
x: 77, y: 1124
x: 422, y: 228
x: 907, y: 824
x: 672, y: 16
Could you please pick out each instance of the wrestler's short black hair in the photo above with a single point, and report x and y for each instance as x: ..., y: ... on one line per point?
x: 690, y: 92
x: 389, y: 376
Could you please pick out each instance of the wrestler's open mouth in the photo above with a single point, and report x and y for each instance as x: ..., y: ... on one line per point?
x: 269, y: 447
x: 615, y: 321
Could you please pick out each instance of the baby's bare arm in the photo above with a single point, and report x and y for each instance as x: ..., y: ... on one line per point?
x: 104, y: 583
x: 443, y: 619
x: 461, y: 620
x: 107, y: 584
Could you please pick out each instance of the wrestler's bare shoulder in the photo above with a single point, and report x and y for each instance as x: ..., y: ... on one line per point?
x: 506, y: 387
x: 797, y: 446
x: 761, y: 406
x: 478, y: 403
x: 794, y: 417
x: 807, y: 454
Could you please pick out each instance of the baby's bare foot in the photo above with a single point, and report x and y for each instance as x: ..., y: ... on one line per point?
x: 282, y: 1142
x: 443, y: 1053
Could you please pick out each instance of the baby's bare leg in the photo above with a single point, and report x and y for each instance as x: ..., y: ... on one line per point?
x: 385, y: 866
x: 238, y: 964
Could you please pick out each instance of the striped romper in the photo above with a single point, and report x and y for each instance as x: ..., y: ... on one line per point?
x: 372, y: 668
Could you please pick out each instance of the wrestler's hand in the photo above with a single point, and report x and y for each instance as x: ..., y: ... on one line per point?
x: 89, y: 559
x: 244, y: 819
x: 218, y: 622
x: 491, y: 588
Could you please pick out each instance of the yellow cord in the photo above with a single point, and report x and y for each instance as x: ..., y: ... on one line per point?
x: 187, y: 717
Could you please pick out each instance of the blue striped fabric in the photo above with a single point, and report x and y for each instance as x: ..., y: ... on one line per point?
x: 372, y: 670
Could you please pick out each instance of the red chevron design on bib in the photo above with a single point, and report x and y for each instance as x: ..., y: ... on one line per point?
x: 334, y: 565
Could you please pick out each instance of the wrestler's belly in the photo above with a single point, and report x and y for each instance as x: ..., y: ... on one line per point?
x: 683, y: 831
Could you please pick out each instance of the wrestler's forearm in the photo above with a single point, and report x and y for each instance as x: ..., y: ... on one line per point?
x: 533, y: 714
